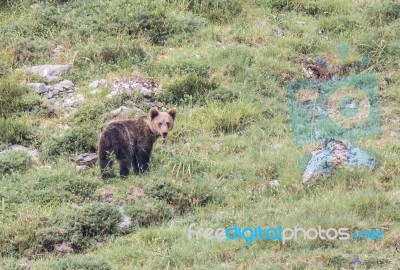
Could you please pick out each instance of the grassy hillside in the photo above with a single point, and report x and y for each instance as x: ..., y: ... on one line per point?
x: 224, y: 65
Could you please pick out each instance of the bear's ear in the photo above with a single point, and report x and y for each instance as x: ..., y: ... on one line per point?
x: 153, y: 113
x: 172, y: 112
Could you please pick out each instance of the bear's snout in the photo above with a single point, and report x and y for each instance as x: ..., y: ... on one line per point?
x: 164, y: 134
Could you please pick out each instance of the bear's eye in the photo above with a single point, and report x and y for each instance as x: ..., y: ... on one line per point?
x: 159, y: 124
x: 167, y: 124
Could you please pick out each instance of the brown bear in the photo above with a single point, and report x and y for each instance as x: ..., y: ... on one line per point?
x: 132, y: 141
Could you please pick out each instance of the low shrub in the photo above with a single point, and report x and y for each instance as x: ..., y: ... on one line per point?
x: 11, y: 161
x: 383, y: 12
x: 110, y: 51
x: 222, y: 94
x: 79, y: 227
x: 217, y: 10
x: 148, y: 211
x: 15, y: 130
x: 230, y: 118
x: 15, y: 97
x: 189, y: 88
x: 309, y: 7
x: 81, y: 262
x: 75, y: 140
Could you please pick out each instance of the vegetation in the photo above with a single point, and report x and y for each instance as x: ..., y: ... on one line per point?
x: 224, y: 65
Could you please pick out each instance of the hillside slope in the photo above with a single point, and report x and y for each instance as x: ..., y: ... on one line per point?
x: 231, y: 159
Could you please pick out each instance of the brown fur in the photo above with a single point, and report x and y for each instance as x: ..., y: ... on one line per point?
x: 132, y: 141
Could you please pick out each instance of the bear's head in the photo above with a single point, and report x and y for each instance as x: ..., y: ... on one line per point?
x: 161, y: 122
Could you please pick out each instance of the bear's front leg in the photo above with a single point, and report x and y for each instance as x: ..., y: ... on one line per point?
x: 135, y: 164
x: 142, y: 161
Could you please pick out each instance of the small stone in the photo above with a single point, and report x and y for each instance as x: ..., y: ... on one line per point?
x: 86, y: 159
x: 48, y: 72
x: 49, y: 95
x: 273, y: 183
x: 145, y: 92
x: 49, y: 88
x: 59, y: 87
x: 97, y: 83
x: 38, y: 87
x: 67, y: 84
x: 120, y: 113
x: 82, y: 167
x: 125, y: 222
x: 55, y: 92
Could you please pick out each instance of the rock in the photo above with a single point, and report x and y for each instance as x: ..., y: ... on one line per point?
x: 216, y: 146
x: 63, y: 127
x: 59, y: 87
x: 144, y: 86
x: 49, y: 72
x: 55, y: 92
x: 33, y: 153
x: 67, y: 103
x: 86, y: 159
x: 82, y: 168
x: 95, y: 91
x: 145, y: 92
x: 120, y: 113
x: 125, y: 221
x: 49, y: 95
x: 18, y: 147
x: 273, y: 183
x: 67, y: 84
x: 38, y: 87
x: 57, y: 50
x: 73, y: 101
x: 332, y: 155
x: 279, y: 32
x: 49, y: 88
x: 36, y: 6
x: 97, y: 83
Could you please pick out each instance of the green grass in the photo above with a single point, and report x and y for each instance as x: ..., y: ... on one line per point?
x: 224, y: 65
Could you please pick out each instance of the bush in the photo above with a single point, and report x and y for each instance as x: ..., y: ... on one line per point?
x: 98, y: 219
x: 230, y: 118
x: 12, y: 97
x: 383, y: 12
x: 215, y: 10
x: 75, y: 140
x: 148, y: 212
x: 309, y: 7
x: 15, y: 130
x: 79, y: 228
x: 223, y: 95
x: 189, y: 88
x: 89, y: 112
x: 110, y: 51
x: 11, y: 161
x: 164, y: 191
x: 181, y: 66
x: 83, y: 263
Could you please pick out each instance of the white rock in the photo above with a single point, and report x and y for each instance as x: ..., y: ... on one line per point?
x: 38, y: 87
x: 67, y: 84
x: 49, y: 72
